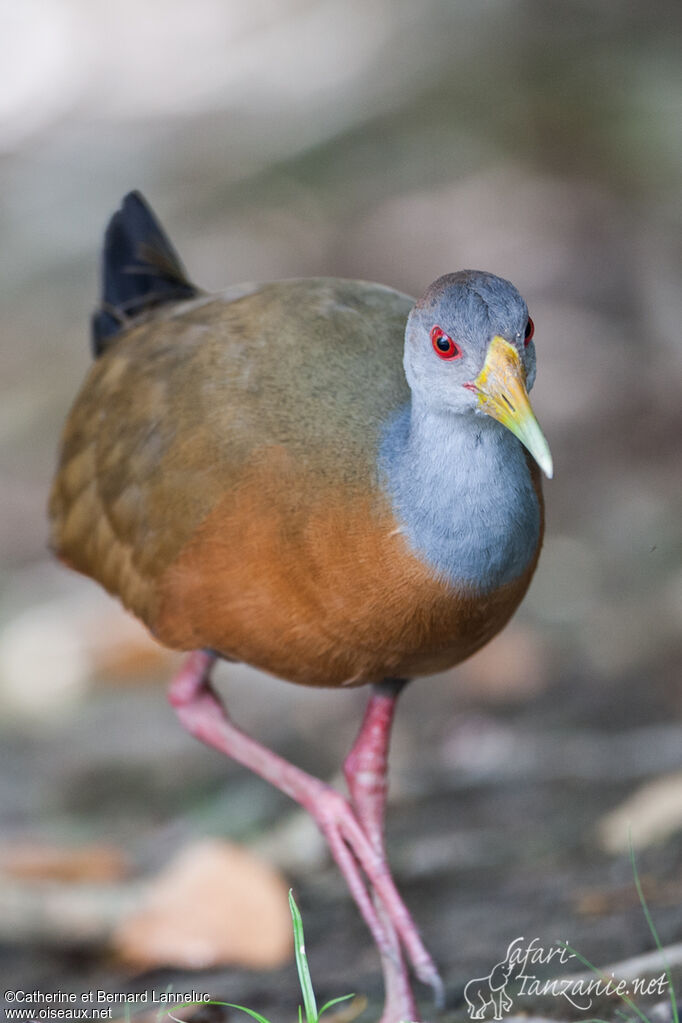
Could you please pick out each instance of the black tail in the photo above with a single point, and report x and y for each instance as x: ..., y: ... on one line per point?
x: 140, y: 270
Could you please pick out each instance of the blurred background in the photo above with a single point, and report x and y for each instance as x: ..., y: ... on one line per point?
x: 391, y: 141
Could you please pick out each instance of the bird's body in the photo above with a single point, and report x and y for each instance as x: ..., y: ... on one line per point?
x: 231, y: 480
x: 264, y: 475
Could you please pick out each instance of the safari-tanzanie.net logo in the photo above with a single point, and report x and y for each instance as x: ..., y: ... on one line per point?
x: 523, y: 974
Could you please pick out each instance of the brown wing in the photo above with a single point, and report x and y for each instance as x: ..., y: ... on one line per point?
x: 175, y: 407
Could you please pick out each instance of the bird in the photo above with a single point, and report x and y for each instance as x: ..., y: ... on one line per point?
x: 319, y: 477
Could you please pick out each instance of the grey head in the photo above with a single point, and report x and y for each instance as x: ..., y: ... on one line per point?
x: 469, y: 350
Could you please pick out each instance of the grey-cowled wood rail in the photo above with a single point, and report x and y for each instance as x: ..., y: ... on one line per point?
x: 321, y: 478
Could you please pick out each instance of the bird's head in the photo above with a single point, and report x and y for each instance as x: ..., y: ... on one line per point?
x: 469, y: 350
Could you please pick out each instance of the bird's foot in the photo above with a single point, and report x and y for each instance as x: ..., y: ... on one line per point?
x: 354, y: 852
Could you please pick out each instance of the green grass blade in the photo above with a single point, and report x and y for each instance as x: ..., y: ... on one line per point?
x: 242, y: 1008
x: 654, y: 932
x: 309, y: 1002
x: 230, y: 1005
x: 162, y: 1012
x: 624, y: 998
x: 334, y: 1001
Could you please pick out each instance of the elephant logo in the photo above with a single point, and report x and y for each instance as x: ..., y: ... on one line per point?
x: 482, y: 992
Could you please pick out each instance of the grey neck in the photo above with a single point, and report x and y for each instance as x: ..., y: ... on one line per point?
x: 462, y: 492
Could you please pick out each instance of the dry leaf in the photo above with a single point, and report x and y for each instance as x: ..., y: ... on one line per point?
x: 214, y: 904
x: 39, y: 861
x: 50, y: 654
x: 650, y: 814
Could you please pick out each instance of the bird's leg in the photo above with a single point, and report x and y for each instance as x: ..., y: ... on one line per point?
x: 366, y: 771
x: 366, y: 766
x: 202, y: 713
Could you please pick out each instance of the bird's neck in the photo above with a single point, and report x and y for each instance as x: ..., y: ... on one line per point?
x: 462, y: 493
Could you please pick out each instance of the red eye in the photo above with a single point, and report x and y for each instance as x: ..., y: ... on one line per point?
x: 530, y: 330
x: 443, y: 345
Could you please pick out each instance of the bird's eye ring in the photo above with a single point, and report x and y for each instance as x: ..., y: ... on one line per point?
x: 443, y: 345
x: 530, y: 330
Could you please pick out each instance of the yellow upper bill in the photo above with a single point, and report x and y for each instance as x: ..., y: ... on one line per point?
x: 501, y: 390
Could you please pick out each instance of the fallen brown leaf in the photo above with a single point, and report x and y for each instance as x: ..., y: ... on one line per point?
x: 650, y: 814
x: 40, y: 861
x: 214, y: 904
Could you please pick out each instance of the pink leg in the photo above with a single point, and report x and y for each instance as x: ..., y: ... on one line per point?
x: 204, y: 716
x: 366, y: 769
x: 366, y: 766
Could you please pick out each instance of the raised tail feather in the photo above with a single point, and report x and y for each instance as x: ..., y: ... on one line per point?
x: 140, y: 270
